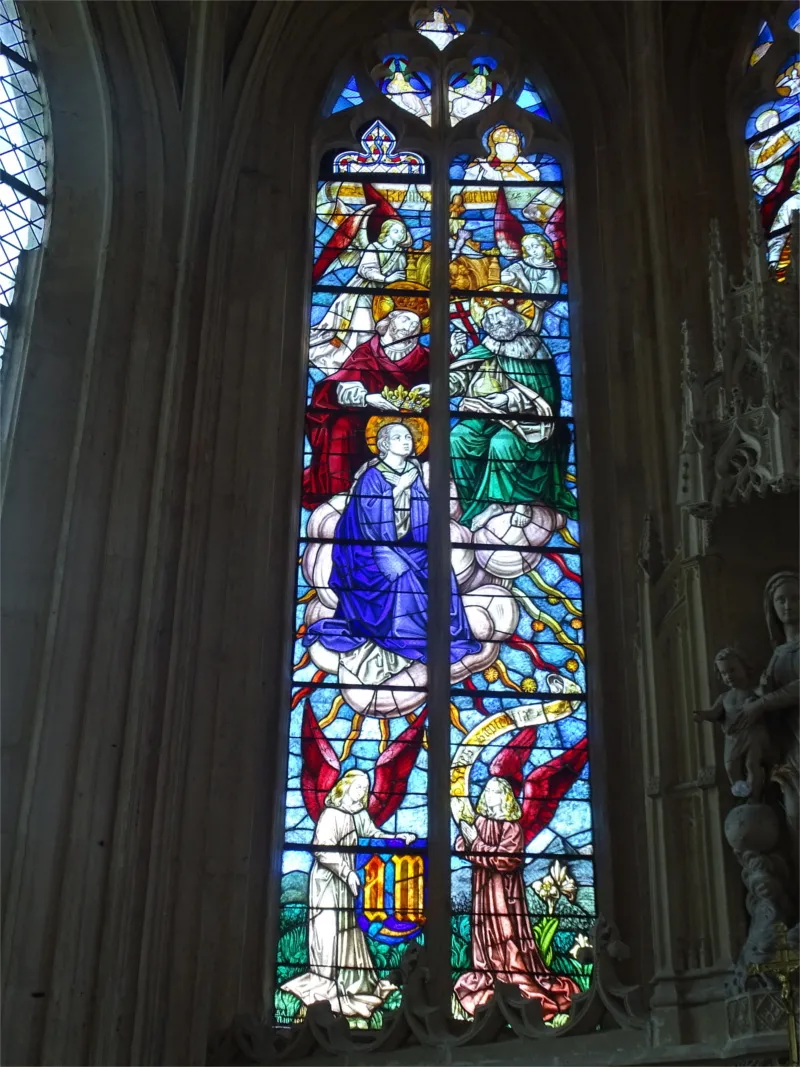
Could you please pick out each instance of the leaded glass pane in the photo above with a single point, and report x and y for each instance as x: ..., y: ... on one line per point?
x: 473, y: 90
x: 410, y: 90
x: 762, y: 44
x: 349, y: 97
x: 522, y: 876
x: 441, y: 28
x: 773, y: 143
x: 22, y: 155
x: 530, y: 100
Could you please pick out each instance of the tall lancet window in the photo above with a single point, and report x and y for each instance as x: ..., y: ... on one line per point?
x: 438, y: 779
x: 772, y: 134
x: 22, y: 160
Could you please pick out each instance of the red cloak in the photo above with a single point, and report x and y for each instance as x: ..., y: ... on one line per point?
x: 336, y: 433
x: 503, y: 947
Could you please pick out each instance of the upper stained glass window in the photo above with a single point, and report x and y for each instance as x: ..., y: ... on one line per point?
x: 530, y: 100
x: 363, y: 863
x: 410, y: 90
x: 772, y: 134
x: 762, y: 44
x: 473, y: 90
x: 349, y: 97
x: 441, y: 28
x: 378, y: 153
x: 22, y: 157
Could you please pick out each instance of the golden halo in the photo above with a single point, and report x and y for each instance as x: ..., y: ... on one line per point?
x: 504, y: 133
x: 479, y: 305
x: 418, y: 428
x: 403, y: 301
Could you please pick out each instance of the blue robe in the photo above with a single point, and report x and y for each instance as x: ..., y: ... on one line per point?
x: 382, y: 582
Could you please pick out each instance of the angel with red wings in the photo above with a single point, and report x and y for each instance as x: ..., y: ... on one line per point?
x: 503, y: 946
x: 373, y: 239
x: 341, y: 969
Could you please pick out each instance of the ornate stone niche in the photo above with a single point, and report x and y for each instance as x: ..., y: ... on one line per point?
x: 740, y: 422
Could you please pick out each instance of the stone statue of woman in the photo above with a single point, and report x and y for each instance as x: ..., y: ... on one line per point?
x: 778, y: 704
x: 753, y: 829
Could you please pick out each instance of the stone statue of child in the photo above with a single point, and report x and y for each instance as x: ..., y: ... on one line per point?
x: 748, y: 752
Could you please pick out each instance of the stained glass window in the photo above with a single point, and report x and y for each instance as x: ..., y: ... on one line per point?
x: 530, y: 100
x: 402, y: 360
x: 410, y: 90
x: 762, y: 44
x: 473, y: 90
x: 522, y: 877
x: 349, y: 97
x: 22, y: 157
x: 772, y: 135
x: 441, y: 27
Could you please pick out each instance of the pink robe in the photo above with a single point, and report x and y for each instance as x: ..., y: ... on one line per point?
x: 503, y: 947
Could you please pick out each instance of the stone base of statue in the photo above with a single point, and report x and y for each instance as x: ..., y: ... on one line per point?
x: 753, y: 832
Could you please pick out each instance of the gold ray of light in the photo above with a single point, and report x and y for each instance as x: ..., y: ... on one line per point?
x: 335, y: 709
x: 301, y: 662
x: 425, y: 739
x: 504, y: 677
x: 307, y: 596
x: 353, y: 736
x: 568, y: 537
x: 548, y: 590
x: 542, y: 616
x: 455, y: 719
x: 385, y: 735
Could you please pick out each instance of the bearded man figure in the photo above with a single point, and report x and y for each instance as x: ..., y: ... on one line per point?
x: 335, y: 419
x: 515, y: 451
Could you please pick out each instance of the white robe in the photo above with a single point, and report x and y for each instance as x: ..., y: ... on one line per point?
x: 348, y: 322
x: 482, y: 170
x: 341, y: 970
x: 532, y: 279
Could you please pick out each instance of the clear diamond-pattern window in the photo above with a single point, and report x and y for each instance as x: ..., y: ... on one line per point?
x: 22, y: 157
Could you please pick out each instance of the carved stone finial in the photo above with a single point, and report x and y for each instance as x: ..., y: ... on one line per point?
x: 651, y: 553
x: 717, y: 279
x: 740, y: 424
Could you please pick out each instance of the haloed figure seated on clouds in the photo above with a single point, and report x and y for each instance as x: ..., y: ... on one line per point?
x: 508, y: 460
x: 380, y: 564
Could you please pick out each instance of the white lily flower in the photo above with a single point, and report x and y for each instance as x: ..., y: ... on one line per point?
x: 567, y: 887
x: 547, y: 890
x: 581, y: 942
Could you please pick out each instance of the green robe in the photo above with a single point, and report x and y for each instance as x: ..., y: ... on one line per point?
x: 491, y: 460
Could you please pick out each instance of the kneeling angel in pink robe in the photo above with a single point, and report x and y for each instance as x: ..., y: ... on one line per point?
x: 503, y: 948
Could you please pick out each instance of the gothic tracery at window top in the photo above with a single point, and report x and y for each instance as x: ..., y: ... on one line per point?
x: 22, y: 157
x: 772, y: 135
x: 355, y: 889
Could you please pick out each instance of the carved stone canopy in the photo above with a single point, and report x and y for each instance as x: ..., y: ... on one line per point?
x: 740, y: 422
